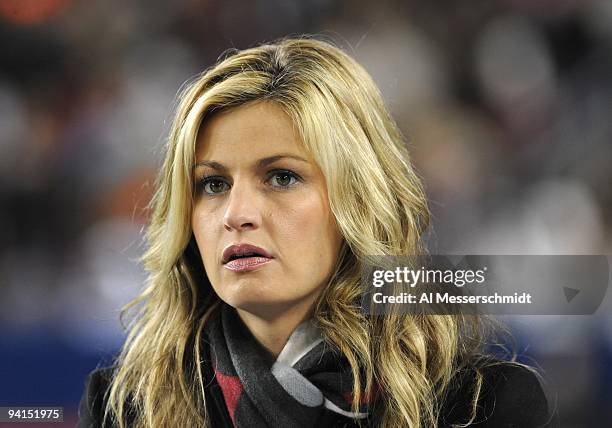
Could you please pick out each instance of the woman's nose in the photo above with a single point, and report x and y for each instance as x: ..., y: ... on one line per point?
x: 241, y: 211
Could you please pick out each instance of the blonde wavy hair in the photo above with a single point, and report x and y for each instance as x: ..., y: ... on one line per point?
x: 380, y: 208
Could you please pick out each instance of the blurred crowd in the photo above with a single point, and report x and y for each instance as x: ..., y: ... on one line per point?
x: 506, y: 106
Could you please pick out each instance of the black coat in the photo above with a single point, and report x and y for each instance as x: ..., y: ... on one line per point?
x: 511, y: 397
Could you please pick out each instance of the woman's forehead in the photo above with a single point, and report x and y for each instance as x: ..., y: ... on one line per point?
x: 258, y: 130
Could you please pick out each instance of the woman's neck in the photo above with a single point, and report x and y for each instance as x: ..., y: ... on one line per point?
x: 274, y: 332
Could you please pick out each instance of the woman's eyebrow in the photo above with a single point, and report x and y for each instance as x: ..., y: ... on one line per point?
x: 211, y: 164
x: 261, y: 163
x: 271, y: 159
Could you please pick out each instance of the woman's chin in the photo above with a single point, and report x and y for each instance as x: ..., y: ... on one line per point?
x: 260, y: 307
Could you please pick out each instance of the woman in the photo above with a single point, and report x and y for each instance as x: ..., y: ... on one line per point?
x: 283, y: 172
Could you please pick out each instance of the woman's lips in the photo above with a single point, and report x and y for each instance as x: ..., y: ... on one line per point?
x: 242, y: 250
x: 246, y: 264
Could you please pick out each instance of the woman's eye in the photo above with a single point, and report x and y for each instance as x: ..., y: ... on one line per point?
x: 214, y: 186
x: 283, y: 179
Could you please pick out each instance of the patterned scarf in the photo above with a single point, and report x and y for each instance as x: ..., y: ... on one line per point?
x: 309, y: 382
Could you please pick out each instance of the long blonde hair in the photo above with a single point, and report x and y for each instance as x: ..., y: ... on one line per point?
x: 380, y: 208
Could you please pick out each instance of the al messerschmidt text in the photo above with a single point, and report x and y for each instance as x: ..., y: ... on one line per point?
x: 523, y: 298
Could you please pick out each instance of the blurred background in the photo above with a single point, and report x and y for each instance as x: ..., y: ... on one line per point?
x: 506, y: 104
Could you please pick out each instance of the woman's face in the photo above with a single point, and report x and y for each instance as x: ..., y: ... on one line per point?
x: 261, y: 216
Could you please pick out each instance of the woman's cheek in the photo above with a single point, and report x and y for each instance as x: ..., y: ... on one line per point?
x: 312, y: 229
x: 202, y: 226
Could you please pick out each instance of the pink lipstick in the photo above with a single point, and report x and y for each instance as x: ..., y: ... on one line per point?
x: 246, y: 264
x: 244, y: 257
